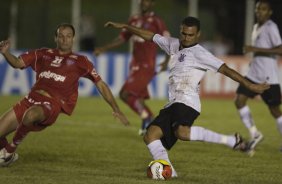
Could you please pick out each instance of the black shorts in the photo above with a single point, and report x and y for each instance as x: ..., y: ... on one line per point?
x: 271, y: 96
x: 170, y: 118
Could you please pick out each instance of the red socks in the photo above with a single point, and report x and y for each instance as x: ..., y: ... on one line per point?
x: 20, y: 134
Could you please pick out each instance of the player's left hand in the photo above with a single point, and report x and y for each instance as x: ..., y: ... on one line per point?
x: 259, y: 88
x: 121, y: 118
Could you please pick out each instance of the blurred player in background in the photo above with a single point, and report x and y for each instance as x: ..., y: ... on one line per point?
x: 188, y: 65
x: 134, y: 92
x: 55, y: 91
x: 266, y: 45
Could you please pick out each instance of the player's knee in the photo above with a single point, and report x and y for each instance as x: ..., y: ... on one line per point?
x: 239, y: 103
x: 152, y: 134
x: 275, y: 111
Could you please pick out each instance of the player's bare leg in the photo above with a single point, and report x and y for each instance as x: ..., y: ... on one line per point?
x: 8, y: 124
x: 152, y: 139
x: 32, y: 116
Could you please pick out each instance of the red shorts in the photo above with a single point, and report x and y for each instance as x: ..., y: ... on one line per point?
x: 137, y: 82
x: 50, y: 107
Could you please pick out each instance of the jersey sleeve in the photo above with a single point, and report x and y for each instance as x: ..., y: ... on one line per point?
x: 168, y: 44
x: 90, y: 71
x: 207, y: 60
x: 30, y: 58
x: 274, y: 36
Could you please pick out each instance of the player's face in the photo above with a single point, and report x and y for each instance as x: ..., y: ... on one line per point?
x: 64, y: 39
x: 146, y: 5
x: 263, y: 12
x: 189, y: 35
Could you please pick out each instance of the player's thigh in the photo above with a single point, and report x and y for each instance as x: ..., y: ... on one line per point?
x: 33, y: 115
x: 137, y: 82
x: 8, y: 122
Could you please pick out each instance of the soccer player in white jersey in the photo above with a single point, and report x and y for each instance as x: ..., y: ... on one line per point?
x: 188, y: 65
x: 266, y: 45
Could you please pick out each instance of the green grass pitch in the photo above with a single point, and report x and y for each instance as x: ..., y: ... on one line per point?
x: 91, y: 147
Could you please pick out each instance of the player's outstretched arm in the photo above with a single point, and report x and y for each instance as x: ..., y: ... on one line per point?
x: 145, y: 34
x: 258, y: 88
x: 258, y: 50
x: 114, y: 43
x: 108, y: 96
x: 12, y: 60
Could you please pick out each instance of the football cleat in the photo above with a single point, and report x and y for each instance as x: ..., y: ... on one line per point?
x: 7, y: 158
x: 239, y: 144
x: 145, y: 123
x: 257, y: 139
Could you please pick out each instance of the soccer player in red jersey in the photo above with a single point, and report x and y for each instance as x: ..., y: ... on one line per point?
x: 134, y: 92
x: 55, y: 91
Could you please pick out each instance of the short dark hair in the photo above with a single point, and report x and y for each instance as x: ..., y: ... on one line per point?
x: 192, y: 21
x: 65, y: 25
x: 266, y: 2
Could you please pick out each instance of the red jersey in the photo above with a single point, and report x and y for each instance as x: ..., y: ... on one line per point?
x: 144, y: 52
x: 59, y: 74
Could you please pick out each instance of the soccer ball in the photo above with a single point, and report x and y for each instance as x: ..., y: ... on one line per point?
x: 159, y: 170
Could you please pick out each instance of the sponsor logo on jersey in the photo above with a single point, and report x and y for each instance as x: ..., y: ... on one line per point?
x: 57, y: 61
x: 181, y: 57
x: 51, y: 75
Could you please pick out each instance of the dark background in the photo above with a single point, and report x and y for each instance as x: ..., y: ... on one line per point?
x: 37, y: 19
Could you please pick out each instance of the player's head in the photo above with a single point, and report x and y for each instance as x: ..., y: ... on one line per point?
x: 64, y: 37
x: 189, y: 31
x: 263, y: 11
x: 146, y: 5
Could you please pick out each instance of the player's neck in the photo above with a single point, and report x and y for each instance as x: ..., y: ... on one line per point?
x: 62, y: 52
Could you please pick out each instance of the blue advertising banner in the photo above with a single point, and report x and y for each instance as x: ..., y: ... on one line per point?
x: 113, y: 68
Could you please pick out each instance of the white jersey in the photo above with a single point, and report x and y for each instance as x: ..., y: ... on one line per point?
x: 265, y: 68
x: 187, y: 68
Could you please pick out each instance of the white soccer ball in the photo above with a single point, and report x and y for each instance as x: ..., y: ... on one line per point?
x: 159, y: 170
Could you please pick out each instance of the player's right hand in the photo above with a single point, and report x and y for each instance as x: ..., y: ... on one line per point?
x: 121, y: 117
x: 259, y: 88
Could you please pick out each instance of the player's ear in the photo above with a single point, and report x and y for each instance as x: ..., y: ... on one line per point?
x: 270, y: 12
x: 199, y: 34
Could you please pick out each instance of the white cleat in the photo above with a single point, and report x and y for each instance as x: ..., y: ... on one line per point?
x: 257, y: 139
x: 7, y: 158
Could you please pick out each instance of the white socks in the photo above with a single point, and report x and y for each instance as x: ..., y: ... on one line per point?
x: 158, y: 152
x: 205, y: 135
x: 248, y: 121
x: 279, y: 124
